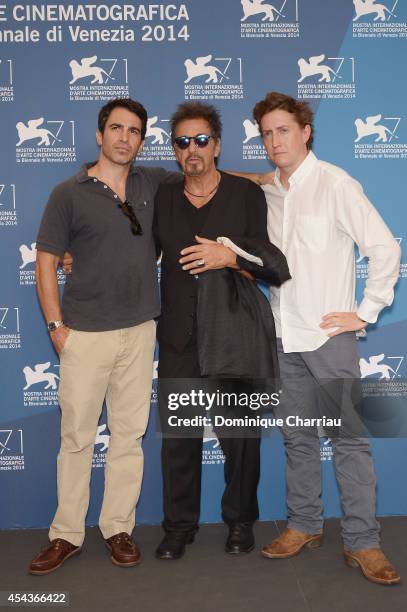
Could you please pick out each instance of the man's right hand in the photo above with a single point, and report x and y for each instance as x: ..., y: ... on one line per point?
x: 59, y: 336
x: 67, y: 262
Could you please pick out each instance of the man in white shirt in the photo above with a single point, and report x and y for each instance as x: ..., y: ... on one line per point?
x: 316, y: 214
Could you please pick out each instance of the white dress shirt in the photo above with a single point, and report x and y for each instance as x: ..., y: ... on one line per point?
x: 316, y: 223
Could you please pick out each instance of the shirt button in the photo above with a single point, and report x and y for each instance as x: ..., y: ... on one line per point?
x: 104, y: 186
x: 95, y: 180
x: 115, y: 195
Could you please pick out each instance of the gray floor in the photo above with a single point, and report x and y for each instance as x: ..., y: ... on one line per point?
x: 208, y: 580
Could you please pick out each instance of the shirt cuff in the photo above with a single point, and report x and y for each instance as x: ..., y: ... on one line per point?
x: 240, y: 252
x: 368, y: 310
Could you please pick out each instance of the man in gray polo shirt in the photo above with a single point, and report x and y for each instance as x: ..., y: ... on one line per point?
x: 104, y: 332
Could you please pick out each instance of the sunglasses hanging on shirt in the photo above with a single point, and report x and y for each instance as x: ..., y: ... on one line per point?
x: 135, y: 225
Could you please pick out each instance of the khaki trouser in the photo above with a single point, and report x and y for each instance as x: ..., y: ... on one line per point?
x: 117, y: 365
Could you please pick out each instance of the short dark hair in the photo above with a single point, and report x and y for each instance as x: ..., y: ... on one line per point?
x: 301, y: 110
x: 197, y: 110
x: 131, y: 105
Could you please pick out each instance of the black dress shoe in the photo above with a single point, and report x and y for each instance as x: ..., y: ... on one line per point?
x: 173, y: 544
x: 240, y: 539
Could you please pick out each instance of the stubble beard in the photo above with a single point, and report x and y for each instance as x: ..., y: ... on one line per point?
x: 119, y: 160
x: 194, y: 168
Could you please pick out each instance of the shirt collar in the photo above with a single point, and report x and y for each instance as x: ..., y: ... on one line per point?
x: 302, y: 171
x: 83, y: 176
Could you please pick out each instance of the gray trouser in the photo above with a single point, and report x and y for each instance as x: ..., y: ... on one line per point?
x: 336, y: 359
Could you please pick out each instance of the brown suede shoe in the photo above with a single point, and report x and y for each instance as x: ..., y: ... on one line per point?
x: 289, y: 544
x: 374, y: 565
x: 125, y: 551
x: 53, y: 556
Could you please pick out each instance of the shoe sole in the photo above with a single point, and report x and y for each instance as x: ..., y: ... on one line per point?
x: 239, y: 552
x: 316, y: 542
x: 169, y: 558
x: 121, y: 563
x: 355, y: 563
x: 48, y: 571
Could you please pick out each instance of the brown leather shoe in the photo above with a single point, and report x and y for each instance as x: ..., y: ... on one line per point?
x: 289, y: 544
x: 125, y: 551
x: 53, y: 556
x: 374, y: 565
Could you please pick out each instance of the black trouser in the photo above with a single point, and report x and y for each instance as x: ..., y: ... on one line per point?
x: 182, y: 459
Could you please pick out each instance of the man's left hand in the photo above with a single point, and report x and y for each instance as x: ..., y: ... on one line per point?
x: 207, y: 255
x: 344, y: 321
x: 66, y: 262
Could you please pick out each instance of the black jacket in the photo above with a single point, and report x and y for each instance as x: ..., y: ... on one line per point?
x: 235, y: 326
x: 218, y: 304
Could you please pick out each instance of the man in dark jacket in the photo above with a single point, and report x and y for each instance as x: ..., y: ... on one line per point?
x: 204, y: 305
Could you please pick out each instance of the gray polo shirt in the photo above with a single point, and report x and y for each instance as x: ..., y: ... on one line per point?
x: 113, y: 284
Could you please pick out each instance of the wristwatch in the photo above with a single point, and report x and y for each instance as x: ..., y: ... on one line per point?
x: 53, y: 325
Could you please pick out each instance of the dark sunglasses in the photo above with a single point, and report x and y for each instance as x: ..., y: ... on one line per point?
x: 201, y: 141
x: 127, y: 209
